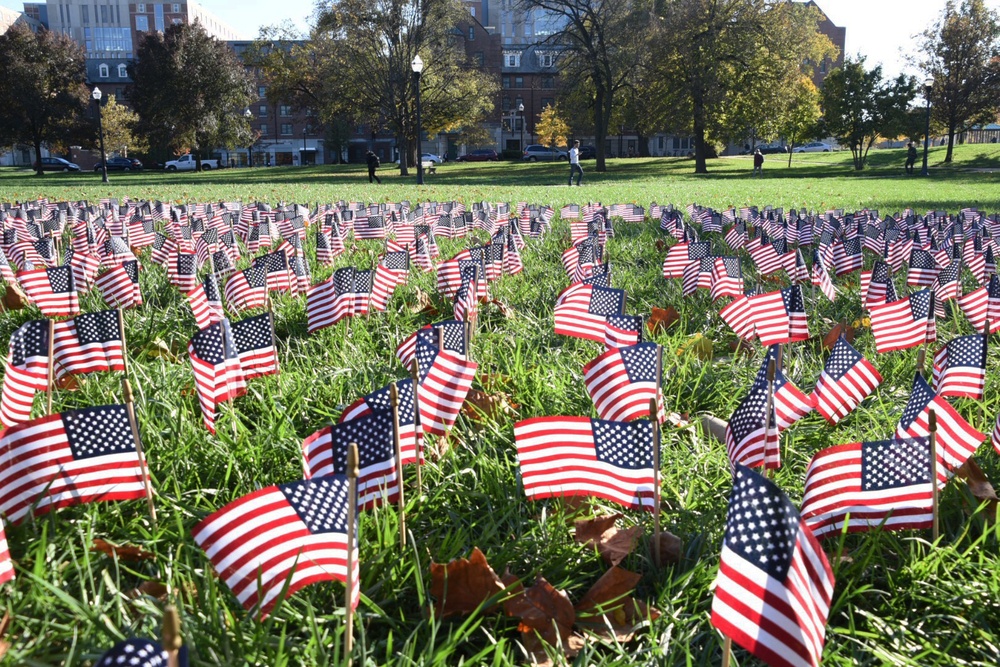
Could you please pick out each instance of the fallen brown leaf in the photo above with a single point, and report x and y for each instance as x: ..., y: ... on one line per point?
x: 841, y: 328
x: 661, y: 245
x: 671, y: 548
x: 462, y: 585
x: 608, y: 610
x: 612, y: 543
x: 661, y: 318
x: 125, y: 552
x: 14, y: 298
x: 423, y: 303
x: 544, y: 610
x: 742, y: 346
x: 979, y: 486
x: 701, y: 347
x: 159, y: 349
x: 68, y: 383
x: 501, y: 306
x: 479, y: 405
x: 154, y: 589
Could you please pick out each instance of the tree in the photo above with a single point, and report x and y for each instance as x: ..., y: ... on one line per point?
x: 600, y: 50
x: 722, y: 67
x: 356, y: 65
x: 859, y: 106
x: 119, y: 129
x: 800, y: 114
x: 190, y: 91
x: 42, y: 85
x: 551, y: 128
x: 960, y: 53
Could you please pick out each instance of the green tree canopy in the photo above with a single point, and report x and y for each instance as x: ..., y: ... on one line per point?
x: 42, y: 85
x: 190, y: 91
x: 119, y: 129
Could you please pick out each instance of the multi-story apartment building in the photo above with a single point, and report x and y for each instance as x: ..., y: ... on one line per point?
x: 837, y: 35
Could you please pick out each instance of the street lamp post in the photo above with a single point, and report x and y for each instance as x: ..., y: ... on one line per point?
x: 520, y: 108
x: 928, y: 86
x: 248, y: 115
x: 303, y: 160
x: 418, y: 66
x: 100, y: 129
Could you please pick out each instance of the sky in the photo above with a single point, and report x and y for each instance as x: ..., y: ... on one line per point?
x: 881, y: 30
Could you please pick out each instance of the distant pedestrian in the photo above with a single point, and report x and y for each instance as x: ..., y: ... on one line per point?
x: 911, y: 157
x: 758, y: 163
x: 373, y: 164
x: 574, y: 163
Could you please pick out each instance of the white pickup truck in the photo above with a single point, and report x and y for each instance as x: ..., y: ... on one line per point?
x: 188, y: 163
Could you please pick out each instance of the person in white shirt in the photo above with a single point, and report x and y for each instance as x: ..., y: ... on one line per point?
x: 574, y: 163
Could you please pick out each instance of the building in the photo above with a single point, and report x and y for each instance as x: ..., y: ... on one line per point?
x: 11, y: 17
x: 838, y: 36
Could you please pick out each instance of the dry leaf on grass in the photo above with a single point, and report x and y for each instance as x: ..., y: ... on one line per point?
x: 742, y: 346
x: 830, y: 339
x: 612, y: 543
x: 699, y: 346
x: 671, y: 548
x: 462, y: 585
x: 158, y: 349
x: 979, y: 486
x: 479, y: 405
x: 153, y: 589
x: 661, y: 245
x: 501, y: 306
x: 546, y: 611
x: 131, y: 553
x: 608, y: 610
x: 660, y: 319
x: 68, y: 383
x: 14, y: 298
x: 424, y: 304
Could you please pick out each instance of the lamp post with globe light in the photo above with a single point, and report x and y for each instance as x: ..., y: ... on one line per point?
x: 97, y: 95
x: 248, y: 115
x: 418, y: 66
x: 520, y: 109
x: 928, y: 87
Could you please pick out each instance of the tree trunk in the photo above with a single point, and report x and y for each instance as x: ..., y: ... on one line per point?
x: 38, y: 158
x: 600, y: 129
x: 643, y: 144
x: 197, y: 160
x: 951, y: 141
x: 791, y: 147
x: 404, y: 154
x: 700, y: 166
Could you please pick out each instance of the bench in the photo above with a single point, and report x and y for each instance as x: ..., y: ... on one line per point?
x: 428, y: 167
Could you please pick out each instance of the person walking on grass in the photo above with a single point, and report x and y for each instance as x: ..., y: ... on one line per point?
x: 911, y: 157
x: 758, y: 163
x: 373, y: 164
x: 574, y: 163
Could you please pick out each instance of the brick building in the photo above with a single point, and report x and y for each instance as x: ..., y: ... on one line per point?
x: 838, y: 36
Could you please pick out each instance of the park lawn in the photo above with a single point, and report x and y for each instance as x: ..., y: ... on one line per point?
x: 898, y: 599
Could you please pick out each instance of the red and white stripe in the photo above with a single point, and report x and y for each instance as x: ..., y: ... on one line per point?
x: 443, y: 390
x: 615, y: 396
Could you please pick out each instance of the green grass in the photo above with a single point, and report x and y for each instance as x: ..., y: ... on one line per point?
x: 898, y: 599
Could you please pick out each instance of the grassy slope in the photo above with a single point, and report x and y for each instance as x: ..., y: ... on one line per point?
x: 897, y: 601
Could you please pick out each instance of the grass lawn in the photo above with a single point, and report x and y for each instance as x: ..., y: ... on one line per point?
x: 898, y: 599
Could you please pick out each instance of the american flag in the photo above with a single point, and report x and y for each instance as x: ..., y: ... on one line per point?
x: 277, y: 273
x: 137, y: 652
x: 847, y: 256
x: 790, y: 404
x: 120, y: 285
x: 247, y: 289
x: 449, y: 274
x: 960, y: 368
x: 285, y: 535
x: 583, y: 311
x: 847, y: 379
x: 923, y: 269
x: 141, y: 233
x: 579, y: 456
x: 902, y: 324
x: 774, y: 587
x: 623, y: 380
x: 182, y: 271
x: 85, y: 268
x: 736, y: 237
x: 682, y: 254
x: 697, y: 274
x: 452, y: 337
x: 410, y: 433
x: 821, y: 278
x: 52, y: 290
x: 6, y: 565
x: 982, y: 305
x: 253, y: 339
x: 780, y: 317
x: 739, y: 316
x: 466, y: 306
x: 948, y: 284
x: 218, y: 373
x: 772, y: 257
x: 88, y: 343
x: 727, y: 278
x: 956, y: 439
x: 622, y: 331
x: 331, y: 300
x: 5, y: 271
x: 27, y: 371
x: 444, y: 382
x: 570, y: 212
x: 115, y: 251
x: 325, y: 453
x: 869, y: 484
x: 328, y: 246
x: 397, y: 260
x: 747, y: 440
x: 222, y: 264
x: 372, y: 228
x: 875, y: 284
x: 69, y: 458
x: 163, y: 248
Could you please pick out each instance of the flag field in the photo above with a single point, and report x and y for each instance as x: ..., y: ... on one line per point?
x: 896, y: 601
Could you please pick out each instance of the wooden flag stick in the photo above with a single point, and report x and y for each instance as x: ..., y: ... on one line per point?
x: 727, y: 651
x: 654, y: 418
x: 769, y: 410
x: 417, y: 440
x: 921, y: 357
x: 352, y: 509
x: 394, y: 403
x: 468, y: 341
x: 932, y: 440
x: 52, y: 368
x: 134, y: 425
x: 171, y: 635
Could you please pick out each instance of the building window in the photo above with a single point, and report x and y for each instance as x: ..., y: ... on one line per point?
x: 480, y: 58
x: 122, y: 71
x: 659, y: 142
x: 512, y: 59
x: 104, y: 13
x: 545, y: 60
x: 261, y: 91
x: 506, y: 82
x: 85, y: 14
x: 518, y: 101
x: 141, y: 8
x: 177, y: 9
x: 286, y: 128
x: 284, y: 110
x: 548, y: 102
x: 519, y: 82
x: 548, y: 82
x: 158, y: 16
x: 142, y: 24
x: 119, y: 94
x: 472, y: 33
x: 506, y: 103
x: 822, y: 67
x: 263, y: 129
x: 102, y: 71
x: 262, y: 111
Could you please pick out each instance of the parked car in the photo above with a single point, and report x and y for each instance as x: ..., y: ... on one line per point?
x: 120, y: 164
x: 188, y: 163
x: 429, y: 157
x: 480, y: 155
x: 57, y: 164
x: 537, y: 152
x: 814, y: 147
x: 588, y: 152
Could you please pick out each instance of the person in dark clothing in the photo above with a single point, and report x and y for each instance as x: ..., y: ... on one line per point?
x: 911, y: 157
x: 758, y: 163
x: 373, y: 164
